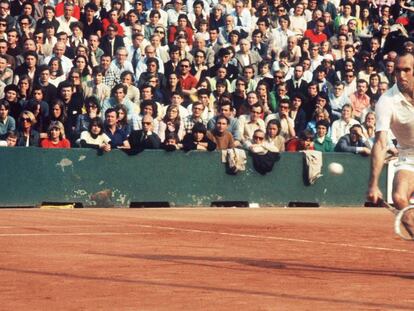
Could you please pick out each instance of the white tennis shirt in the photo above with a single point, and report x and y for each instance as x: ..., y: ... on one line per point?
x: 394, y: 112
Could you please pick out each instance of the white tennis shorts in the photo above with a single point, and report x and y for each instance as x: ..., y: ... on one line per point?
x: 405, y: 161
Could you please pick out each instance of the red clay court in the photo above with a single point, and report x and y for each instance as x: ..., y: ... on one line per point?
x: 204, y: 259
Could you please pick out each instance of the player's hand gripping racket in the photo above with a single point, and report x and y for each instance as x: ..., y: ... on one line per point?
x: 404, y: 220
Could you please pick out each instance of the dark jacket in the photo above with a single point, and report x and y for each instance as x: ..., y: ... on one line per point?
x: 106, y: 45
x: 34, y: 139
x: 139, y: 141
x: 346, y: 145
x: 189, y: 143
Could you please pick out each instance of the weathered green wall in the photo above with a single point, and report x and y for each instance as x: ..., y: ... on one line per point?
x: 30, y: 176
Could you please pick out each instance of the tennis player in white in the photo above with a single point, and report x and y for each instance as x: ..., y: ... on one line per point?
x: 395, y: 111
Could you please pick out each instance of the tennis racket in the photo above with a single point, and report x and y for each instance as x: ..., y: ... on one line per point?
x: 400, y: 223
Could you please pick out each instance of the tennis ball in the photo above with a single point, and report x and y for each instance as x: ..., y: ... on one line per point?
x: 335, y: 168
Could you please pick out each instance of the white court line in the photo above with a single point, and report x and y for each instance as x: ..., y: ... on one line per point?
x: 349, y: 245
x: 73, y: 234
x: 281, y: 239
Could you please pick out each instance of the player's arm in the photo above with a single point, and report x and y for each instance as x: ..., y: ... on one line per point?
x: 378, y: 154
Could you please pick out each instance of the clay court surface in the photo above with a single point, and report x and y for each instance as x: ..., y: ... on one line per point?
x: 203, y: 259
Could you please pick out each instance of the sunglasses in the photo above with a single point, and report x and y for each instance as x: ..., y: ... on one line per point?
x: 146, y: 123
x: 26, y: 120
x: 185, y: 66
x: 258, y: 137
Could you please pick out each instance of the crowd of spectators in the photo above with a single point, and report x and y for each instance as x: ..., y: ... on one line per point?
x: 276, y: 75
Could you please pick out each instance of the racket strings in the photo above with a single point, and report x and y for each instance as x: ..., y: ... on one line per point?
x: 407, y: 220
x: 404, y: 223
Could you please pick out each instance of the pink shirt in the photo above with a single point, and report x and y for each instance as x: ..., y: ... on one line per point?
x: 359, y: 103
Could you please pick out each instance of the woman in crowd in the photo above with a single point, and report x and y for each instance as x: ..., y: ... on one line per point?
x: 173, y: 85
x: 92, y: 111
x: 25, y: 88
x: 56, y: 71
x: 322, y: 142
x: 26, y: 135
x: 266, y: 98
x: 123, y: 123
x: 318, y: 115
x: 273, y: 137
x: 171, y: 123
x: 95, y: 137
x: 342, y: 126
x: 373, y: 90
x: 55, y: 137
x: 75, y: 76
x: 81, y: 63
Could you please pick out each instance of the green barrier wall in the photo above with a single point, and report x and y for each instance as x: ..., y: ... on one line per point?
x: 30, y: 176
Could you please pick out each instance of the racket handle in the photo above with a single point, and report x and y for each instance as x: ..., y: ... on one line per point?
x: 389, y: 207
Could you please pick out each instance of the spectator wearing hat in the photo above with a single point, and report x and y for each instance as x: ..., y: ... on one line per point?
x: 198, y: 139
x: 55, y: 137
x: 322, y: 142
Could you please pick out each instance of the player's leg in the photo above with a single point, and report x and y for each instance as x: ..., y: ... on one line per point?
x: 403, y: 187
